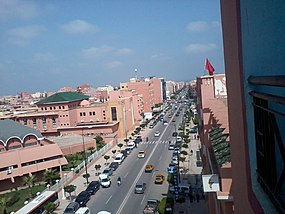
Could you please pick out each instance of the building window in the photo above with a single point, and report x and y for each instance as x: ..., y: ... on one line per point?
x: 93, y: 112
x: 90, y: 113
x: 25, y: 121
x: 114, y: 113
x: 269, y: 149
x: 50, y: 108
x: 81, y: 114
x: 44, y: 123
x: 84, y: 113
x: 59, y: 107
x: 63, y: 107
x: 53, y: 122
x: 35, y: 123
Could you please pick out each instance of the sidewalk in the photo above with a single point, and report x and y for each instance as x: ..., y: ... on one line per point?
x: 80, y: 182
x: 193, y: 176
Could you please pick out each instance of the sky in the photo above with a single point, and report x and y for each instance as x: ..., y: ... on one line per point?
x: 47, y: 45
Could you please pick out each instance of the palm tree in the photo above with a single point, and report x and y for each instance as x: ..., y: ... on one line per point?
x: 51, y: 175
x: 30, y: 182
x: 4, y: 201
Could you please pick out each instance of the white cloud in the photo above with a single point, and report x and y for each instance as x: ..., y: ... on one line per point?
x: 79, y: 27
x: 43, y: 57
x: 124, y: 51
x: 201, y: 26
x: 17, y: 9
x: 22, y: 36
x: 113, y: 64
x: 200, y: 48
x: 94, y: 52
x: 160, y: 56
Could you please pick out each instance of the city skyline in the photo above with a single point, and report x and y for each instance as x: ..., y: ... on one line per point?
x: 49, y: 45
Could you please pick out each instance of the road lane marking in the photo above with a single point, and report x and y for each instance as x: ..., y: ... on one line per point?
x: 126, y: 175
x: 143, y: 199
x: 137, y: 178
x: 109, y: 199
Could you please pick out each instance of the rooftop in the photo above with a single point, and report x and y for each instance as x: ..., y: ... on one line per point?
x: 62, y: 97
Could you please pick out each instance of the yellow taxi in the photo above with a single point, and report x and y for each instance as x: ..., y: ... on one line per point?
x: 148, y: 168
x: 159, y: 179
x: 141, y: 154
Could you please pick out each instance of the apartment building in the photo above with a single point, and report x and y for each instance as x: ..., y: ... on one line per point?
x: 253, y: 35
x: 151, y: 90
x: 23, y: 152
x: 214, y: 136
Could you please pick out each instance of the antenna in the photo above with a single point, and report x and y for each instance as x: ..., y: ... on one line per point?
x: 136, y: 71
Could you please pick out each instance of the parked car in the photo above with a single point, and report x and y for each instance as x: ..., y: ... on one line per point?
x: 108, y: 171
x: 125, y: 153
x: 71, y: 208
x: 140, y: 188
x: 114, y: 166
x: 138, y: 139
x: 157, y: 134
x: 93, y: 187
x: 172, y: 168
x: 171, y: 147
x: 104, y: 180
x: 182, y: 188
x: 83, y: 198
x: 176, y: 150
x: 148, y: 168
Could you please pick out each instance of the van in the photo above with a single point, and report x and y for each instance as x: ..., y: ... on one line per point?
x: 183, y: 189
x: 83, y: 210
x: 104, y: 180
x: 119, y: 158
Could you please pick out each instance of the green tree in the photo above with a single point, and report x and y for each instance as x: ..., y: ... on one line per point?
x: 97, y: 167
x: 4, y: 203
x: 91, y: 149
x: 126, y: 140
x: 185, y: 146
x: 69, y: 189
x: 114, y: 152
x: 120, y: 145
x: 50, y: 176
x: 106, y: 157
x: 30, y: 182
x: 99, y: 139
x: 50, y: 207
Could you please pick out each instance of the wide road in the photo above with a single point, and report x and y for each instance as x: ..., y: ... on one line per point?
x: 122, y: 199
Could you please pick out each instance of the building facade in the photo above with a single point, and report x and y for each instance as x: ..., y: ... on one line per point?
x: 254, y: 49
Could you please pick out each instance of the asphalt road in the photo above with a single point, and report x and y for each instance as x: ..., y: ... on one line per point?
x: 122, y: 199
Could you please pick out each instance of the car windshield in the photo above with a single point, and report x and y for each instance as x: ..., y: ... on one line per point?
x: 139, y: 186
x: 105, y: 180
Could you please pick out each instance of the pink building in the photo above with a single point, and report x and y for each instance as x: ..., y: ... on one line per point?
x: 24, y: 151
x: 214, y: 136
x: 149, y: 88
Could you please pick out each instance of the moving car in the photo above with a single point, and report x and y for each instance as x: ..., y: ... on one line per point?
x: 159, y: 179
x: 93, y: 187
x: 83, y: 198
x: 174, y: 134
x: 141, y: 154
x: 83, y: 210
x: 165, y: 123
x: 157, y: 134
x: 151, y: 206
x: 148, y: 168
x: 140, y: 188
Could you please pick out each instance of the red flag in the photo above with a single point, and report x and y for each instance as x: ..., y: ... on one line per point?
x: 209, y: 67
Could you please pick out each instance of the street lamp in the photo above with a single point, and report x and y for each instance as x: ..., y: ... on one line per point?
x: 85, y: 164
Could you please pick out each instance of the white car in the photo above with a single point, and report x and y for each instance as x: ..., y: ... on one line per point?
x: 157, y: 134
x: 104, y: 180
x: 131, y: 146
